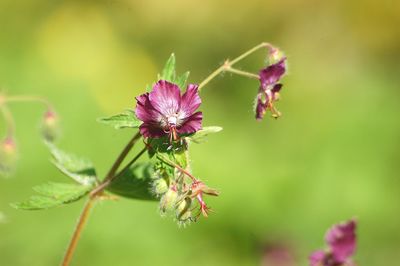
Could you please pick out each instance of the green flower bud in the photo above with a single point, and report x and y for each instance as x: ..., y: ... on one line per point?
x: 160, y: 186
x: 50, y: 126
x: 168, y: 200
x: 8, y: 156
x: 183, y: 210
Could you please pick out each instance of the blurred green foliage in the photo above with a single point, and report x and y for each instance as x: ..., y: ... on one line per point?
x: 333, y: 155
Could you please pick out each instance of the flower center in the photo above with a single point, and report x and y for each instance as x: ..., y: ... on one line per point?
x: 172, y: 120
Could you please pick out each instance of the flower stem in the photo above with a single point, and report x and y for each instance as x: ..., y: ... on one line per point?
x: 107, y: 182
x: 28, y: 99
x: 171, y: 163
x: 227, y: 66
x: 242, y: 73
x: 96, y: 193
x: 78, y: 231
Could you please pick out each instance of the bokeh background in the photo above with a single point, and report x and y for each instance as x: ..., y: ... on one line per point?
x: 333, y: 155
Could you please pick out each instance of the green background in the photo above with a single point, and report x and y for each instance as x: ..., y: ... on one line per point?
x: 333, y: 155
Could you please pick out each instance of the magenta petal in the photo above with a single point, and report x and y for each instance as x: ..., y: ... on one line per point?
x: 145, y: 111
x: 272, y: 73
x: 149, y: 130
x: 261, y: 108
x: 190, y: 100
x: 165, y: 97
x: 277, y: 88
x: 192, y: 124
x: 342, y: 241
x: 317, y: 258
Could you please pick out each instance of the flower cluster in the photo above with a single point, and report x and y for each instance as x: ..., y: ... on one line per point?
x: 341, y: 239
x: 169, y: 116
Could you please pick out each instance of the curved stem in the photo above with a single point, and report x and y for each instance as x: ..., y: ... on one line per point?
x: 28, y: 99
x: 78, y: 231
x: 227, y: 66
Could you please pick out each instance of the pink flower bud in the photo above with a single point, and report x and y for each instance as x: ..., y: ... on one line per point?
x: 50, y: 126
x: 8, y: 156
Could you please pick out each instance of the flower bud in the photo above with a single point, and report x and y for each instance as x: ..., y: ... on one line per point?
x: 275, y: 55
x: 50, y: 126
x: 168, y: 200
x: 160, y: 186
x: 8, y: 156
x: 183, y: 211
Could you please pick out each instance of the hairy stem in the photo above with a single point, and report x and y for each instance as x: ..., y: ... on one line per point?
x: 78, y: 231
x: 227, y: 66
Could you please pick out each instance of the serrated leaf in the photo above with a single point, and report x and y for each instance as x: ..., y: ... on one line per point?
x: 201, y: 135
x: 79, y: 169
x: 53, y: 195
x: 135, y: 182
x: 126, y: 119
x: 168, y: 72
x: 182, y: 80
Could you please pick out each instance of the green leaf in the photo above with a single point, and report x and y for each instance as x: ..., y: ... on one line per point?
x: 135, y: 182
x: 168, y: 72
x: 79, y: 169
x: 201, y: 135
x: 182, y: 79
x: 53, y: 195
x: 126, y: 119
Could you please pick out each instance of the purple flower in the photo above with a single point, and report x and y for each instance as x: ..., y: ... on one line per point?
x: 269, y: 89
x: 341, y: 239
x: 164, y: 111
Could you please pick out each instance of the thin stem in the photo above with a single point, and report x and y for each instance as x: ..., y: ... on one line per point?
x: 96, y: 191
x: 28, y: 99
x: 132, y: 161
x: 8, y: 119
x: 242, y: 73
x: 78, y: 231
x: 249, y: 52
x: 94, y: 196
x: 122, y: 156
x: 171, y: 163
x: 228, y: 64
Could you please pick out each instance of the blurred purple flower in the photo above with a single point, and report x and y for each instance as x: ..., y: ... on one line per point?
x: 269, y: 89
x: 341, y: 239
x: 164, y: 111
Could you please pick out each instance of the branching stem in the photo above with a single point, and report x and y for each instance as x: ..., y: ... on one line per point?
x: 227, y: 66
x: 96, y: 193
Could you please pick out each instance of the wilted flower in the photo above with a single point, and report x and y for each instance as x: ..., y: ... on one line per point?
x: 164, y: 111
x: 269, y: 89
x: 341, y: 239
x: 198, y: 188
